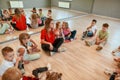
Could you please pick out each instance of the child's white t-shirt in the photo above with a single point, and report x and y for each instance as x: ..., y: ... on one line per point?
x: 93, y: 28
x: 5, y: 65
x: 49, y: 15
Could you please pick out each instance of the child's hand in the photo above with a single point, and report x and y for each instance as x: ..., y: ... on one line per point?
x: 34, y: 46
x: 19, y: 59
x: 51, y: 46
x: 101, y: 40
x: 97, y: 42
x: 69, y: 35
x: 29, y: 51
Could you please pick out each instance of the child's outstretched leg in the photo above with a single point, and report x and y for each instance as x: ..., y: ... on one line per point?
x: 21, y: 67
x: 113, y: 76
x: 40, y: 70
x: 73, y: 33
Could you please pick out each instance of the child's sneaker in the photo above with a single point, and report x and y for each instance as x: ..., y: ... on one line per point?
x: 22, y: 71
x: 35, y: 73
x: 71, y: 39
x: 52, y: 53
x: 49, y: 66
x: 88, y: 43
x: 99, y: 48
x: 83, y: 38
x: 108, y: 71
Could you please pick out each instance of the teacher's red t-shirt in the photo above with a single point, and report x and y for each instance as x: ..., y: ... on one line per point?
x: 20, y: 22
x: 49, y: 38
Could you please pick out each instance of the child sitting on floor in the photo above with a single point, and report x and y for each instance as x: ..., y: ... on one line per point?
x: 101, y: 38
x: 10, y: 11
x: 58, y: 31
x: 34, y: 10
x: 114, y: 73
x: 9, y: 60
x: 69, y: 35
x: 42, y: 17
x: 116, y: 53
x: 28, y: 46
x: 34, y: 21
x: 5, y: 27
x: 6, y: 15
x: 49, y: 14
x: 91, y: 30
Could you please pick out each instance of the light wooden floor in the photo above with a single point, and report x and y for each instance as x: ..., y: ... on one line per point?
x: 79, y: 62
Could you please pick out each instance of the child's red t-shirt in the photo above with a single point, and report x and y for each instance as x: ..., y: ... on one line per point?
x: 29, y: 78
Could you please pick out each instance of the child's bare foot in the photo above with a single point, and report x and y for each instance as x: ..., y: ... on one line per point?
x: 99, y: 48
x: 108, y: 71
x: 88, y: 43
x: 116, y: 59
x: 97, y: 43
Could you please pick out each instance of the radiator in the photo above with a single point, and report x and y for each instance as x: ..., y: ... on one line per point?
x: 16, y: 4
x: 64, y: 4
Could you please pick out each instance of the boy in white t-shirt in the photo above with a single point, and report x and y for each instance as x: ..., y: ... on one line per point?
x: 9, y: 60
x: 49, y: 14
x: 91, y: 30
